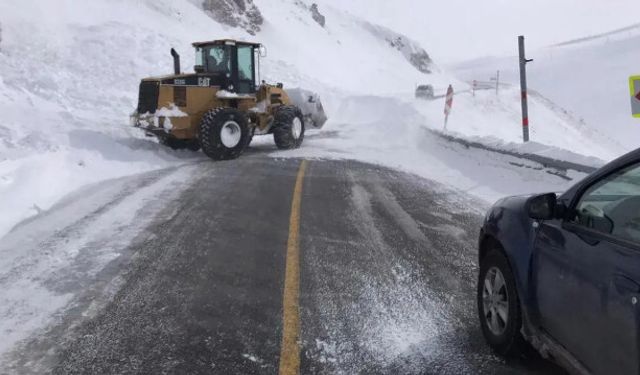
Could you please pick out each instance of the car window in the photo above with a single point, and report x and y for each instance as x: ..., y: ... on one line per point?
x: 612, y: 205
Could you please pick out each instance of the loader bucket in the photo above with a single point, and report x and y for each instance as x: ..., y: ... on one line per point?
x: 310, y: 105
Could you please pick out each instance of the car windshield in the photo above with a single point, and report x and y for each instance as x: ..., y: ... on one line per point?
x: 612, y: 204
x: 615, y: 187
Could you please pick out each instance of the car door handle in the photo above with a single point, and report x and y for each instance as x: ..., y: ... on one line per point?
x: 625, y: 285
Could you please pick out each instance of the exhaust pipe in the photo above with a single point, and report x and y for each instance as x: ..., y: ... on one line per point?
x: 176, y: 61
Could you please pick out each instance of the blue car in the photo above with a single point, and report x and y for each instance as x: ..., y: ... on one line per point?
x: 562, y: 273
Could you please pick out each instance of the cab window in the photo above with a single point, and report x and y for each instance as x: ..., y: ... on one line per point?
x: 245, y: 69
x: 218, y: 59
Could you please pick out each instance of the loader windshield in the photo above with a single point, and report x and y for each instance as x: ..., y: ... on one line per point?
x: 214, y: 59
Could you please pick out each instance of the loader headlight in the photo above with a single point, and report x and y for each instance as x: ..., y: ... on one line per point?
x: 230, y: 87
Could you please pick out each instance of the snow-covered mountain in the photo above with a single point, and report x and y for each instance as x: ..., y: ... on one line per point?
x: 69, y: 73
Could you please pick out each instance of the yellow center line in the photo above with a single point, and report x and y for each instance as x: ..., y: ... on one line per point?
x: 290, y: 350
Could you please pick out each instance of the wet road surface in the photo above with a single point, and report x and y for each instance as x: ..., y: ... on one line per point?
x: 387, y: 268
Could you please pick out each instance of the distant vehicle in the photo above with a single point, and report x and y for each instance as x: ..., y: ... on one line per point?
x: 563, y: 273
x: 219, y: 107
x: 424, y: 92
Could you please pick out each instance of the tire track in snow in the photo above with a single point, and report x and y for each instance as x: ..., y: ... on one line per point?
x: 56, y: 258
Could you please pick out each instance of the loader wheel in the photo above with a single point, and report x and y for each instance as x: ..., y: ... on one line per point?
x: 224, y: 133
x: 288, y: 127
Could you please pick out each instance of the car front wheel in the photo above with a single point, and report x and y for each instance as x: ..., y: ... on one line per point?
x: 498, y: 305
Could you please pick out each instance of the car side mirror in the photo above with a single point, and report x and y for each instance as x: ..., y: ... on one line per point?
x: 542, y: 207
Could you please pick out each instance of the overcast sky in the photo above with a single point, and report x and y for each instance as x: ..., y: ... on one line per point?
x: 454, y: 30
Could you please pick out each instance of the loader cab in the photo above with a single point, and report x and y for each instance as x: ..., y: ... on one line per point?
x: 231, y: 64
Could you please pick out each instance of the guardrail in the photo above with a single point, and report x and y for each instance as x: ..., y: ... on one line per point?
x: 546, y: 162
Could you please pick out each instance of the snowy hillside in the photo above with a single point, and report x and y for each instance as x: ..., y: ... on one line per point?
x: 69, y: 74
x: 588, y: 77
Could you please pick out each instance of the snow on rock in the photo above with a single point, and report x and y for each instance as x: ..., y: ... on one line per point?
x: 415, y: 54
x: 316, y: 15
x: 235, y: 13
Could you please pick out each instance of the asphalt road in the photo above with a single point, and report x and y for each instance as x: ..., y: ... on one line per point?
x: 387, y: 267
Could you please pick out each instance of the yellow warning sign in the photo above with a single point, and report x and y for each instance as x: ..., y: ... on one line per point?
x: 634, y: 89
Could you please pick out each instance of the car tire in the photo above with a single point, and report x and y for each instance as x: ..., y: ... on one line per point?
x: 288, y: 127
x: 501, y: 329
x: 224, y: 133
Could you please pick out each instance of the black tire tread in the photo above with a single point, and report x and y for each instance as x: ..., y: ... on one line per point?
x: 511, y: 343
x: 282, y: 121
x: 210, y: 126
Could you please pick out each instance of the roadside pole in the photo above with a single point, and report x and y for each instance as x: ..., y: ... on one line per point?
x: 523, y: 89
x: 473, y: 87
x: 496, y: 79
x: 447, y: 105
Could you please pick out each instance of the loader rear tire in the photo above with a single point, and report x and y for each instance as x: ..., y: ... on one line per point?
x: 288, y: 127
x: 224, y: 133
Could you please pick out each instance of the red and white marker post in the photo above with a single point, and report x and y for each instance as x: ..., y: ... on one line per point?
x: 523, y: 87
x: 447, y: 105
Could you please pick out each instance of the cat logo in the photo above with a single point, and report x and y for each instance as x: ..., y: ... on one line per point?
x: 204, y: 81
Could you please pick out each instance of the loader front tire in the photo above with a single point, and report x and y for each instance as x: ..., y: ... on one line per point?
x: 288, y: 127
x: 224, y: 133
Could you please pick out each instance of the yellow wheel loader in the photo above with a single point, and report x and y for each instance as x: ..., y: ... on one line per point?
x: 220, y: 107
